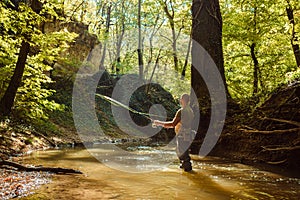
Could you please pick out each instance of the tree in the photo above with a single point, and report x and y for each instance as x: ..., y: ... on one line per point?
x: 25, y: 64
x: 119, y: 33
x: 206, y: 31
x: 7, y: 101
x: 139, y: 50
x: 170, y: 13
x: 178, y: 21
x: 183, y: 71
x: 257, y: 47
x: 253, y: 53
x: 101, y: 66
x: 155, y: 28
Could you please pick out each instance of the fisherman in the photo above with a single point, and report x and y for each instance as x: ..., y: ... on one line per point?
x: 182, y: 123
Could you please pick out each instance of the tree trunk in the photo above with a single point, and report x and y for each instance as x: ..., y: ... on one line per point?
x: 7, y: 100
x: 170, y: 16
x: 56, y: 170
x: 195, y: 24
x: 150, y: 55
x: 83, y: 11
x: 294, y: 38
x: 120, y: 37
x: 139, y: 50
x: 174, y: 45
x: 186, y: 59
x: 155, y: 30
x: 206, y: 31
x: 102, y: 62
x: 152, y: 74
x: 256, y: 69
x: 253, y: 56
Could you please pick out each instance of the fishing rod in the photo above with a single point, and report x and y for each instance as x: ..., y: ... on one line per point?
x: 119, y: 104
x: 146, y: 115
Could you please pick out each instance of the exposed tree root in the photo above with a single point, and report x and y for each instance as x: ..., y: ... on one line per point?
x: 282, y: 120
x: 277, y: 162
x: 56, y: 170
x: 272, y: 132
x: 46, y: 138
x: 281, y: 148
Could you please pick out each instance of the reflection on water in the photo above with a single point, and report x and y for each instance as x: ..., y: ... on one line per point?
x: 137, y: 160
x: 212, y: 178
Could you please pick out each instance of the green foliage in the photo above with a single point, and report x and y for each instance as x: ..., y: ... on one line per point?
x: 292, y: 76
x: 244, y: 22
x: 154, y: 23
x: 32, y: 100
x: 264, y: 23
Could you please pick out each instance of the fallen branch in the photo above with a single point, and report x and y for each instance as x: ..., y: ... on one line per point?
x: 277, y: 162
x: 282, y: 120
x: 56, y: 170
x: 42, y: 136
x: 281, y: 148
x: 247, y: 128
x: 272, y: 132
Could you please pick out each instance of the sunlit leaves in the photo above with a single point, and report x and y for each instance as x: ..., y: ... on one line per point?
x: 264, y: 23
x: 32, y: 100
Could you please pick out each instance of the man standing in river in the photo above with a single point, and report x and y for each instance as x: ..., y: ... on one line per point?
x: 182, y: 123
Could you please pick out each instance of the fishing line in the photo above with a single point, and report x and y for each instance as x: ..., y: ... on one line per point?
x: 119, y: 104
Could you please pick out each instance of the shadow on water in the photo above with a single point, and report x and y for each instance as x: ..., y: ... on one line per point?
x: 206, y: 184
x: 212, y: 178
x: 72, y: 154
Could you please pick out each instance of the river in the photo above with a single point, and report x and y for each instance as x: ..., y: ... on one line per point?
x: 211, y: 178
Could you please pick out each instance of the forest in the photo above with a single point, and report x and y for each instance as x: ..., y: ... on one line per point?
x: 82, y: 73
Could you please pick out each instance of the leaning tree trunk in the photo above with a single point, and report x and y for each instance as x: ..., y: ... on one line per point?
x: 8, y: 99
x: 256, y: 69
x: 206, y: 31
x: 254, y: 57
x: 57, y: 170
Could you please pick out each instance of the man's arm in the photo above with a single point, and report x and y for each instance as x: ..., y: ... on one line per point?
x: 169, y: 124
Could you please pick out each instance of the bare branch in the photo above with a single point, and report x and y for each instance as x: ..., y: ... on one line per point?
x: 283, y: 121
x: 213, y: 15
x: 166, y: 38
x: 280, y: 148
x: 272, y: 132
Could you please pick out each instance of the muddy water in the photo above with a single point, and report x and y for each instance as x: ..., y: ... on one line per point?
x: 212, y: 178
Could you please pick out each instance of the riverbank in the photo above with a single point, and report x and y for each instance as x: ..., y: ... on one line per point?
x: 18, y: 140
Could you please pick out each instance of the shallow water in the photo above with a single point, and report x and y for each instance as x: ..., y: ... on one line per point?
x: 211, y: 178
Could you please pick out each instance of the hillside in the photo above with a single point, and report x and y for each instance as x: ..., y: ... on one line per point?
x: 270, y: 134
